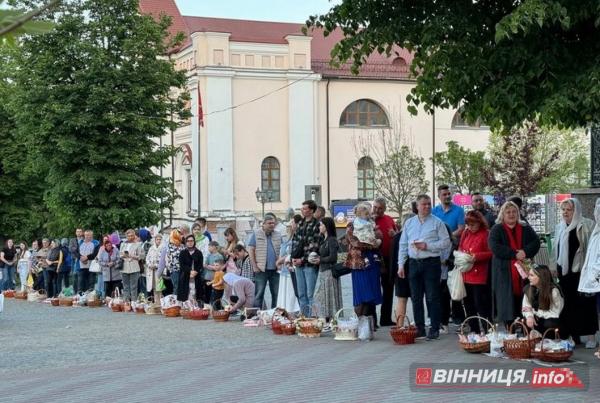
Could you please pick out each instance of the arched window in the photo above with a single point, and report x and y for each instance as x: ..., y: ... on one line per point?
x: 458, y: 122
x: 366, y: 178
x: 399, y: 61
x: 364, y: 113
x: 270, y: 178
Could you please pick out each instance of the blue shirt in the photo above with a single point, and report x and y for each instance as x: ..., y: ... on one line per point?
x: 432, y: 231
x: 271, y: 255
x: 454, y: 217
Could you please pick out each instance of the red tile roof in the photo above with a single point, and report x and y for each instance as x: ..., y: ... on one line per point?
x: 168, y: 7
x: 245, y: 31
x: 377, y: 66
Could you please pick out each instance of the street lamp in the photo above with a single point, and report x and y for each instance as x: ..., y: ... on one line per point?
x: 263, y: 196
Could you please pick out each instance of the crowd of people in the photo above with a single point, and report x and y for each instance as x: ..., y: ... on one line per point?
x: 299, y: 260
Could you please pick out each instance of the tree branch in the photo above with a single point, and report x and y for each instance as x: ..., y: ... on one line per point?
x: 28, y: 17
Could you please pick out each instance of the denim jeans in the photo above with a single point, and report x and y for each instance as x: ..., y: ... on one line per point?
x: 100, y: 285
x: 306, y: 278
x: 260, y: 281
x: 175, y: 281
x: 8, y: 277
x: 424, y: 278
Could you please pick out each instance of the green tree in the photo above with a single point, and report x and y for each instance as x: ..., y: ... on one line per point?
x: 94, y: 96
x: 14, y: 23
x: 399, y: 171
x: 572, y: 166
x: 505, y: 61
x: 460, y: 167
x: 520, y: 161
x: 21, y: 192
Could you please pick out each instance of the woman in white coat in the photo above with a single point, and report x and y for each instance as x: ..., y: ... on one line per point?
x: 579, y: 318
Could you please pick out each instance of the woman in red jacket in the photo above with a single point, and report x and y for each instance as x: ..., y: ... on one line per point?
x: 474, y: 241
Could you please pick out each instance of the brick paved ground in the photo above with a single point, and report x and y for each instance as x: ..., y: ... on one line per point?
x: 53, y: 354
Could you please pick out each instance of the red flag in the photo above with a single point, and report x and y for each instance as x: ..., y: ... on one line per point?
x: 200, y: 113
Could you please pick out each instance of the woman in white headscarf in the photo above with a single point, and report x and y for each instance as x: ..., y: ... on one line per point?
x: 579, y: 317
x: 242, y: 288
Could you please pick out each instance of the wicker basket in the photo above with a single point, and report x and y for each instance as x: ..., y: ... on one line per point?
x: 551, y: 356
x: 345, y: 328
x: 515, y: 348
x: 475, y: 347
x: 36, y: 296
x: 67, y: 301
x: 219, y: 315
x: 94, y: 303
x: 172, y: 312
x: 288, y: 329
x: 20, y: 294
x: 152, y: 309
x: 276, y: 326
x: 403, y: 335
x: 9, y: 294
x: 195, y: 314
x: 118, y: 306
x: 309, y: 327
x: 139, y: 309
x: 54, y: 302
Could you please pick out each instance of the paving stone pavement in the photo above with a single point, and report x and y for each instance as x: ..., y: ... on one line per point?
x: 56, y: 354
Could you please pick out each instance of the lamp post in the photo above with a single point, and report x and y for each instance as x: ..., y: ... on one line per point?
x: 263, y: 196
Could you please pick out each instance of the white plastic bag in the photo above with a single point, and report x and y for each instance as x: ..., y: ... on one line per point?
x: 456, y: 285
x: 463, y: 261
x: 365, y: 328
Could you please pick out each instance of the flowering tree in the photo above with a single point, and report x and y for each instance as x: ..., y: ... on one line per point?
x: 513, y: 166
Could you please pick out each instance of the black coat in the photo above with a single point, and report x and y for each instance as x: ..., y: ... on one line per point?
x: 186, y: 262
x: 328, y: 253
x: 502, y: 255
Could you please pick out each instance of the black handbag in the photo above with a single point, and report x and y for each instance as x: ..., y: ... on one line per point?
x: 338, y: 270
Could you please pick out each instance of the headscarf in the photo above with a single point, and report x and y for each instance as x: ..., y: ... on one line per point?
x: 562, y: 235
x: 597, y: 218
x: 115, y: 239
x: 175, y: 237
x: 589, y: 271
x: 145, y: 235
x: 193, y: 246
x: 231, y: 278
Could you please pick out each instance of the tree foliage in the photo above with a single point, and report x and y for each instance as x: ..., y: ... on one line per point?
x: 14, y: 22
x: 505, y: 61
x: 21, y: 190
x: 519, y: 161
x: 93, y: 97
x: 399, y: 172
x: 571, y: 167
x: 460, y: 167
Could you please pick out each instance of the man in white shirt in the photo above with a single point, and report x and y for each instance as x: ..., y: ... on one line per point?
x: 423, y: 239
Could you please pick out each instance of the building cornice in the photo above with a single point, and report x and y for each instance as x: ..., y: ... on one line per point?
x: 248, y: 47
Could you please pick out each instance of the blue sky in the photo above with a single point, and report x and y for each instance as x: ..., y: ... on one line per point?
x: 261, y: 10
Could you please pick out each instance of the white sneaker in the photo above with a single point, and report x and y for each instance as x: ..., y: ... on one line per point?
x: 443, y: 329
